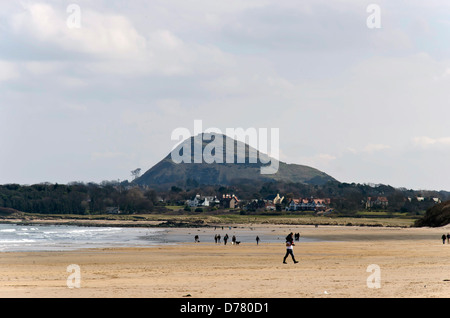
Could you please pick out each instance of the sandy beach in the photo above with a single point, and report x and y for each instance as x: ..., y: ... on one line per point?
x: 412, y: 262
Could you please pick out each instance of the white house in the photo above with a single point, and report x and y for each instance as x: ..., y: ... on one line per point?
x: 199, y: 201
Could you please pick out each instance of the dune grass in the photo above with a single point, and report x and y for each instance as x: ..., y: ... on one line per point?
x: 222, y: 219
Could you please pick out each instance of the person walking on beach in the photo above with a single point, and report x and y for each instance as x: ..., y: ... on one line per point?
x: 225, y: 239
x: 289, y: 249
x: 257, y: 240
x: 233, y: 240
x: 443, y: 238
x: 448, y: 238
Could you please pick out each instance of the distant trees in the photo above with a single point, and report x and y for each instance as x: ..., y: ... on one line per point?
x: 76, y: 198
x: 46, y: 198
x: 92, y: 198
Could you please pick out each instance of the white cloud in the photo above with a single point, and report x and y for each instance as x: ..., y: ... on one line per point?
x: 107, y: 35
x: 321, y: 161
x: 132, y: 73
x: 424, y: 141
x: 367, y: 149
x: 371, y: 148
x: 325, y: 157
x: 8, y: 71
x: 445, y: 75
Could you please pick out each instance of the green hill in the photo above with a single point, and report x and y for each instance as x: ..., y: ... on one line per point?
x: 167, y: 173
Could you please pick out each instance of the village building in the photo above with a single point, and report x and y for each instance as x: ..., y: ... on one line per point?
x: 277, y: 199
x: 229, y: 201
x: 202, y: 201
x: 308, y: 204
x: 381, y: 202
x: 421, y: 199
x: 436, y: 200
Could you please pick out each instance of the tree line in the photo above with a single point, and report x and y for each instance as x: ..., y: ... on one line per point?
x: 93, y: 198
x: 75, y: 198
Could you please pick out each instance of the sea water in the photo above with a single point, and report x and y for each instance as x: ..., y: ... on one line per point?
x: 14, y: 237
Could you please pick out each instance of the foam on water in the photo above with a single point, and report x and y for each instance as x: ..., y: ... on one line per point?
x: 61, y: 237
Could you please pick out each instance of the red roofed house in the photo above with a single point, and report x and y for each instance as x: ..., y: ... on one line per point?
x: 229, y: 201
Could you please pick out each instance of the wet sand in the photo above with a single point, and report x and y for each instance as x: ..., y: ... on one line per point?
x: 413, y: 262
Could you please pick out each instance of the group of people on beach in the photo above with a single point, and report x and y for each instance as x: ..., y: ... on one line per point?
x: 217, y: 239
x: 445, y: 237
x: 289, y: 243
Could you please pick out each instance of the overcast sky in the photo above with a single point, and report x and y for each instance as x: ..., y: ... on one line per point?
x: 91, y: 97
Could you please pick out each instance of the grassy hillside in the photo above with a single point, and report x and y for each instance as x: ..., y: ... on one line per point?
x: 167, y: 173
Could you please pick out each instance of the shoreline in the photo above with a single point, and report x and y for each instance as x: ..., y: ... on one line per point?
x: 186, y: 224
x: 323, y: 232
x: 273, y: 233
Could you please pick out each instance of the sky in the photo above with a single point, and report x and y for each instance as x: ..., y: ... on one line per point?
x: 91, y: 90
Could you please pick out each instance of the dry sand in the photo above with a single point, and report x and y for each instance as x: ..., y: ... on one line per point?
x: 413, y: 262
